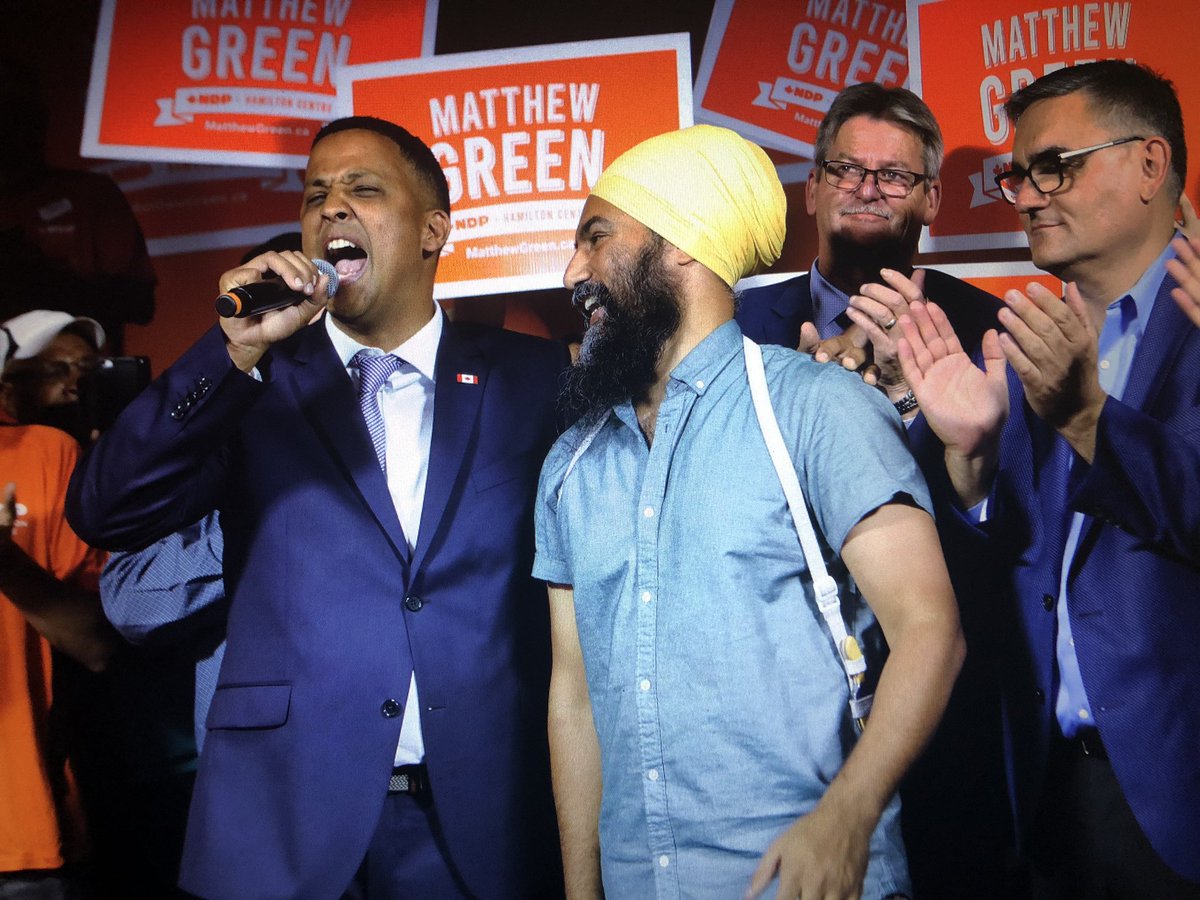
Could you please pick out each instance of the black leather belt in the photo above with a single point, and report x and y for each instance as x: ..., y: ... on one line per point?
x: 1087, y: 743
x: 409, y: 780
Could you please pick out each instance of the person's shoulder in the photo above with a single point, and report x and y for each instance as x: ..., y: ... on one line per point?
x: 503, y: 345
x: 945, y: 289
x: 772, y: 313
x: 566, y: 450
x: 798, y: 379
x: 51, y: 438
x: 764, y: 295
x: 971, y: 310
x: 83, y: 183
x: 52, y: 445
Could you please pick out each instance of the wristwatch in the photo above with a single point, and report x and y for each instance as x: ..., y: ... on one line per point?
x: 906, y: 404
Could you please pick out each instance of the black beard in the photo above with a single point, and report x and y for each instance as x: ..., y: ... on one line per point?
x: 619, y: 357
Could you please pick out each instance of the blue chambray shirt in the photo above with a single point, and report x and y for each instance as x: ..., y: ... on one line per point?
x: 718, y: 699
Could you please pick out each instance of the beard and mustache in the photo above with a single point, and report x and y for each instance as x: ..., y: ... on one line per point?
x: 619, y: 356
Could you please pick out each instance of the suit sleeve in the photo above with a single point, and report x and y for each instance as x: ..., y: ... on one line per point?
x: 161, y: 466
x: 1145, y: 478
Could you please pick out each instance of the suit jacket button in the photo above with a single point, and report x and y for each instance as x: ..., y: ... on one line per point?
x: 390, y: 709
x: 413, y: 603
x: 1038, y: 695
x: 1048, y: 602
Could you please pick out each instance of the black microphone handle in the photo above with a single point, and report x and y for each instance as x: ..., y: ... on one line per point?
x: 263, y: 296
x: 256, y: 299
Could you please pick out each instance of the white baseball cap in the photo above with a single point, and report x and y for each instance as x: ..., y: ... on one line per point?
x: 27, y: 335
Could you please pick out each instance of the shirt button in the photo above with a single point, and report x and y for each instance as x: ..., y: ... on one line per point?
x: 1047, y: 602
x: 1104, y: 363
x: 646, y: 596
x: 413, y: 603
x: 390, y: 708
x: 644, y: 684
x: 1083, y: 714
x: 652, y: 774
x: 664, y: 861
x: 648, y: 512
x: 700, y: 385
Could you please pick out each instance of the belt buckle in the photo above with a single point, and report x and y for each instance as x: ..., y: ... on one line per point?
x: 407, y: 780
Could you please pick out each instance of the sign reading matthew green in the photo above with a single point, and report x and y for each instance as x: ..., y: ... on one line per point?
x: 771, y: 69
x: 968, y: 58
x: 522, y: 136
x: 238, y: 82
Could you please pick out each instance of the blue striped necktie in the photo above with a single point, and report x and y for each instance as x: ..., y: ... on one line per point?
x: 374, y: 370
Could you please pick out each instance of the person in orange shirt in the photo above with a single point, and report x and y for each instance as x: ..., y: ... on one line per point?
x: 48, y: 581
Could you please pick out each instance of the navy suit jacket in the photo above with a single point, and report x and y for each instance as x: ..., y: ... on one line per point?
x: 1134, y: 584
x: 773, y: 314
x: 329, y: 616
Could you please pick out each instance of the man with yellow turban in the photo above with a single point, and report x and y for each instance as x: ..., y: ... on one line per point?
x: 704, y: 703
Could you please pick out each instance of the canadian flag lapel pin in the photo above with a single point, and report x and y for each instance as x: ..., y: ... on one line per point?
x: 466, y: 378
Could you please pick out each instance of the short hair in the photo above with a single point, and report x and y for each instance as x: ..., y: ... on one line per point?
x: 896, y: 105
x: 1120, y: 92
x: 412, y: 148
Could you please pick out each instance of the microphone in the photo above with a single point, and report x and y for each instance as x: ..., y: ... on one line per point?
x: 264, y: 296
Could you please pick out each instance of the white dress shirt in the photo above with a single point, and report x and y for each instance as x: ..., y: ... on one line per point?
x: 406, y: 402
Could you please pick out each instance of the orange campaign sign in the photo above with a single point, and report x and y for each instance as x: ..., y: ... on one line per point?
x: 968, y: 58
x: 242, y: 82
x: 522, y: 135
x: 770, y: 70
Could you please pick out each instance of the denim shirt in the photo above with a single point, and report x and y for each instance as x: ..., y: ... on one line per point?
x: 718, y: 698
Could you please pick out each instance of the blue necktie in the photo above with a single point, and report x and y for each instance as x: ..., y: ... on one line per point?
x: 374, y: 370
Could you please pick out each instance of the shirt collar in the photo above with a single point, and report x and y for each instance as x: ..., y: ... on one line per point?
x: 706, y: 360
x: 419, y: 351
x: 1144, y: 292
x: 828, y: 301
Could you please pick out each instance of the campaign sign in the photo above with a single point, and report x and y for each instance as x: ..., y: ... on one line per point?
x: 184, y: 208
x: 522, y: 135
x: 770, y: 70
x: 968, y: 58
x: 241, y: 82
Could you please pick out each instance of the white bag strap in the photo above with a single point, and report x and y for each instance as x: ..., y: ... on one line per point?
x: 824, y: 587
x: 588, y: 437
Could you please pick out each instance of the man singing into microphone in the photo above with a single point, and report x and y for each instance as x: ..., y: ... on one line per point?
x: 378, y: 727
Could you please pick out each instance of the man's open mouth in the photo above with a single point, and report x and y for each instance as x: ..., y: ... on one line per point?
x: 590, y: 298
x: 347, y: 257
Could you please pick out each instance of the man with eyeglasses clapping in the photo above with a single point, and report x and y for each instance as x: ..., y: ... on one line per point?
x: 874, y: 185
x: 1072, y: 460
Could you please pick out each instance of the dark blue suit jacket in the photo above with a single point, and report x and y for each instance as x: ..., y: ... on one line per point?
x: 329, y: 616
x: 1134, y: 584
x: 774, y: 313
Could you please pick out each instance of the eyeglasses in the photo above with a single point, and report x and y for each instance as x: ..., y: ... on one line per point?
x: 1048, y: 171
x: 847, y: 176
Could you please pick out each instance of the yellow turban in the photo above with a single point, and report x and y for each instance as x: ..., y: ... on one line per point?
x: 708, y: 191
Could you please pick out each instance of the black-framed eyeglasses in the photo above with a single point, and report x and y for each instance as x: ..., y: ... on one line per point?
x: 847, y: 176
x: 1048, y: 171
